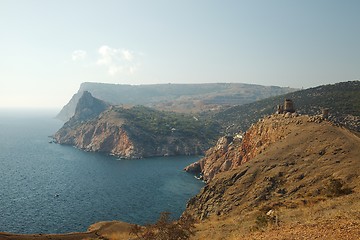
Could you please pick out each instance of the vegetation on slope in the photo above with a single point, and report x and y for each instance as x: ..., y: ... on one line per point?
x: 163, y: 124
x: 342, y: 100
x: 165, y: 229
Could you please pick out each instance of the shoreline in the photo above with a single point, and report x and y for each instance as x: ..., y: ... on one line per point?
x: 98, y: 230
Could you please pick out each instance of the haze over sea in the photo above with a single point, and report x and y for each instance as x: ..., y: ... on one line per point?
x: 50, y: 188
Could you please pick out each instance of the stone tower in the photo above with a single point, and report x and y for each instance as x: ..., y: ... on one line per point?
x: 289, y: 106
x: 325, y: 112
x: 279, y: 109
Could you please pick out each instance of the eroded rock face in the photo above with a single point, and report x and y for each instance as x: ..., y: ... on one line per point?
x: 98, y: 136
x: 88, y: 107
x: 208, y: 166
x: 231, y: 152
x: 116, y: 138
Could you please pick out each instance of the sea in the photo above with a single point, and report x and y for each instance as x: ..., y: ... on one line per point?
x: 51, y: 188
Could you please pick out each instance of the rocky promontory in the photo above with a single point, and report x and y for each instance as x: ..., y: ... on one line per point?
x: 286, y: 169
x: 231, y: 151
x: 134, y: 132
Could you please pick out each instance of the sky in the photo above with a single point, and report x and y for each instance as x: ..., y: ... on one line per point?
x: 48, y: 48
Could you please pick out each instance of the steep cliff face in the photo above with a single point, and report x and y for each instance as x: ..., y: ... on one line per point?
x: 99, y: 136
x: 301, y: 168
x: 88, y: 107
x: 134, y: 132
x: 118, y: 138
x: 230, y: 152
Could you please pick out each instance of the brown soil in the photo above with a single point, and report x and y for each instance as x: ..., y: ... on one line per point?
x: 101, y: 230
x: 330, y: 230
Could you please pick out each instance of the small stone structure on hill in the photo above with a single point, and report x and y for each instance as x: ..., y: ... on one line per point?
x: 288, y: 107
x: 325, y: 113
x: 280, y: 109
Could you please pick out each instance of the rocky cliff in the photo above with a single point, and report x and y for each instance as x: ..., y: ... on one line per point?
x: 134, y: 132
x: 231, y: 151
x: 88, y: 107
x: 285, y: 169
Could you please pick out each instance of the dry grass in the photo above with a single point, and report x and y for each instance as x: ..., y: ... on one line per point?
x: 310, y: 179
x: 331, y: 214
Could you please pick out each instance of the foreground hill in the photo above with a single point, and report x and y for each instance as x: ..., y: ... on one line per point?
x: 135, y: 132
x: 294, y: 173
x: 174, y: 97
x: 342, y: 100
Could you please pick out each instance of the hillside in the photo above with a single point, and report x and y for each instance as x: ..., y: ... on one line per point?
x: 135, y: 132
x: 174, y: 97
x: 301, y: 171
x: 342, y: 100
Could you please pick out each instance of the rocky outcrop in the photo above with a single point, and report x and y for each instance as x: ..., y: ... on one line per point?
x: 88, y: 107
x: 98, y: 136
x: 133, y: 132
x: 231, y: 152
x: 117, y: 138
x: 215, y: 160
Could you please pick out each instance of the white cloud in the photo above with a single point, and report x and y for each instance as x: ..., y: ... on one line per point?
x: 127, y: 55
x: 117, y: 60
x: 78, y: 55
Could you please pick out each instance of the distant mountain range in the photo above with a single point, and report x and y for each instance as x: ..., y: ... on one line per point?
x: 188, y: 98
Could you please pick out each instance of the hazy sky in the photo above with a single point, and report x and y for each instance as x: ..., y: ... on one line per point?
x: 49, y: 47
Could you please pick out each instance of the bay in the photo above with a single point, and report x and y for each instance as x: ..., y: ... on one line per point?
x: 50, y: 188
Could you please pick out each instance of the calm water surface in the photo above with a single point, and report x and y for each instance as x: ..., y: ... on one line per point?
x: 49, y: 188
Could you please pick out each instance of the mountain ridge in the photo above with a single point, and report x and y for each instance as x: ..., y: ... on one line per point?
x: 174, y: 97
x: 341, y: 99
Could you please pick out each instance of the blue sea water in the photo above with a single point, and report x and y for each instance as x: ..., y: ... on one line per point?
x: 50, y: 188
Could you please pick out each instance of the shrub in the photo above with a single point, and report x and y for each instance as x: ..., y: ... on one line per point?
x: 261, y: 221
x: 165, y: 229
x: 335, y: 188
